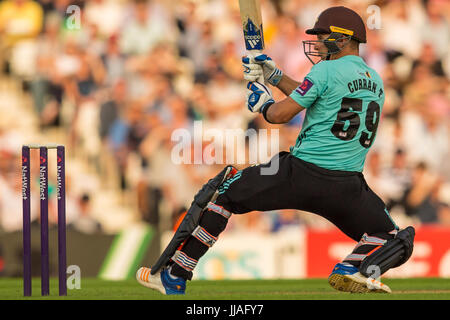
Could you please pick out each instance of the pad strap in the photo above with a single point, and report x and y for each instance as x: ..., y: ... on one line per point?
x: 369, y: 240
x: 204, y: 236
x: 181, y: 259
x: 219, y: 209
x: 366, y: 240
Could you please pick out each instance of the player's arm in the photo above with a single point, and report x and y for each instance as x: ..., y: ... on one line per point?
x: 259, y: 99
x: 287, y: 84
x: 282, y: 111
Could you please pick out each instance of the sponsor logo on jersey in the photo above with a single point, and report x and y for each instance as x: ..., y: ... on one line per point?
x: 304, y: 87
x: 366, y: 74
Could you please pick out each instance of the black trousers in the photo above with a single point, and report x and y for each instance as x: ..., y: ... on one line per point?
x: 342, y: 197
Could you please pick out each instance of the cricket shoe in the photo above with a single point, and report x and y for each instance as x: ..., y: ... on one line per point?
x: 347, y: 278
x: 161, y: 281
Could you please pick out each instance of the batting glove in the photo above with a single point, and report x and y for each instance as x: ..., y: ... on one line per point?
x: 259, y: 97
x: 255, y: 66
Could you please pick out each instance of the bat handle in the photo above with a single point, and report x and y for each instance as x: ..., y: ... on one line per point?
x: 257, y: 53
x: 261, y: 79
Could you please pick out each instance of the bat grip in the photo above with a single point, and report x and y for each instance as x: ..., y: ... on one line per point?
x: 255, y: 53
x: 261, y: 79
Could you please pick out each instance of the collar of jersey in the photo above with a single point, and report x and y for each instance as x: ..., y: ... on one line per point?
x: 351, y: 56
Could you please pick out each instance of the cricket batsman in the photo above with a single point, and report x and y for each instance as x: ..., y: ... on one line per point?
x: 322, y: 173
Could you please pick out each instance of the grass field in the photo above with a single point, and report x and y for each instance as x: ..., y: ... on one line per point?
x: 308, y: 289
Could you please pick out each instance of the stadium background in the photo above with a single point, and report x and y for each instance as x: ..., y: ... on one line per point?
x: 114, y: 85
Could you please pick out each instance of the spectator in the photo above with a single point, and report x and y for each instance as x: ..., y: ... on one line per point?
x: 111, y: 110
x: 420, y: 198
x: 436, y: 28
x: 113, y: 61
x: 138, y: 70
x: 398, y: 178
x: 111, y: 13
x: 402, y: 36
x: 20, y: 20
x: 46, y: 87
x: 427, y: 132
x: 429, y: 60
x: 143, y: 33
x: 201, y: 49
x: 374, y: 53
x: 85, y: 222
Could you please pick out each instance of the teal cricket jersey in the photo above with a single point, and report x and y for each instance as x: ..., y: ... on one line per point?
x: 343, y: 100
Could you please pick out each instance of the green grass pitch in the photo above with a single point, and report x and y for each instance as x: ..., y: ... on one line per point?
x: 307, y: 289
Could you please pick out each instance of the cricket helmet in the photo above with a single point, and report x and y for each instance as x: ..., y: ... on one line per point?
x: 341, y: 23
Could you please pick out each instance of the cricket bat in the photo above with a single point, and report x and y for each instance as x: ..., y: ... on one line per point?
x: 252, y: 27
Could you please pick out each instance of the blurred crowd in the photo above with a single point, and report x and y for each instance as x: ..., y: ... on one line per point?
x: 114, y: 79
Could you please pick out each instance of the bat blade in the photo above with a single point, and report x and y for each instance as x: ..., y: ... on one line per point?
x: 252, y: 24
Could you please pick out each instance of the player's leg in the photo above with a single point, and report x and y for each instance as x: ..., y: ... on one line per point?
x: 345, y: 199
x: 247, y: 190
x: 375, y: 256
x: 158, y: 277
x: 381, y: 246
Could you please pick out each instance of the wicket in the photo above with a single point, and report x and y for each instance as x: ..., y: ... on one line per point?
x: 43, y: 196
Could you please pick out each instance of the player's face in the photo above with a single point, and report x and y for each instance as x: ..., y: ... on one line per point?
x: 320, y: 46
x: 316, y: 50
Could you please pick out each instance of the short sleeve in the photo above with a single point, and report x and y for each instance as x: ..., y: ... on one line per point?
x: 312, y: 87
